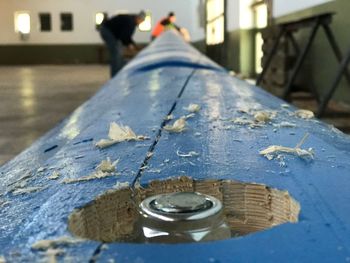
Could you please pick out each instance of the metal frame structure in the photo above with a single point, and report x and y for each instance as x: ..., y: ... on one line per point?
x: 287, y: 30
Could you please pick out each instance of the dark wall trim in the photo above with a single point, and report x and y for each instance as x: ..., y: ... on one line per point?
x: 52, y: 54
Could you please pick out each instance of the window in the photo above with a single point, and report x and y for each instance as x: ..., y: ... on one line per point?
x: 99, y: 18
x: 215, y: 22
x: 45, y: 22
x: 66, y: 22
x: 260, y: 19
x: 22, y: 22
x: 146, y: 25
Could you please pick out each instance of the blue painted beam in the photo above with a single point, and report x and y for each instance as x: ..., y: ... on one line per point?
x: 169, y: 74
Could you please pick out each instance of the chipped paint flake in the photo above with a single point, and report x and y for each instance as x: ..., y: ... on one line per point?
x: 193, y: 108
x: 245, y: 121
x: 107, y: 166
x: 262, y: 116
x: 272, y: 150
x: 54, y: 176
x: 46, y: 244
x: 149, y: 155
x: 4, y: 203
x: 304, y: 114
x: 52, y: 253
x: 120, y: 185
x: 105, y: 169
x: 285, y: 124
x: 41, y: 169
x: 119, y: 133
x: 28, y: 190
x: 188, y: 116
x: 275, y: 150
x: 169, y: 117
x: 154, y: 171
x: 178, y: 126
x: 94, y: 175
x: 22, y: 181
x: 104, y: 247
x: 189, y: 154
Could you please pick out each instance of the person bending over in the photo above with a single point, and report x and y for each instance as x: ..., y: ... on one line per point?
x: 118, y: 31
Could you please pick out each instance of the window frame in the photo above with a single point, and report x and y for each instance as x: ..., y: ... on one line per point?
x: 62, y: 22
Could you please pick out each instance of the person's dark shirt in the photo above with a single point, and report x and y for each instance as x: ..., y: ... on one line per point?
x: 122, y: 27
x: 166, y: 21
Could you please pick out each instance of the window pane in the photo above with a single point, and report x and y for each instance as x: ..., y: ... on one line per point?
x: 45, y: 22
x: 66, y: 22
x: 22, y: 22
x: 215, y: 31
x: 147, y: 24
x: 99, y: 18
x: 261, y: 16
x: 215, y: 8
x: 258, y: 52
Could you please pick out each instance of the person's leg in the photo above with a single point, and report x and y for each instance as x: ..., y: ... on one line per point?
x: 112, y: 46
x: 119, y: 55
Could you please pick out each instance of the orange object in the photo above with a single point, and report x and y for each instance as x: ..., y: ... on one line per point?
x: 158, y: 29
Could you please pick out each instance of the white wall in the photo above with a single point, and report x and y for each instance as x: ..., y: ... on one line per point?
x: 83, y: 18
x: 284, y: 7
x: 232, y: 14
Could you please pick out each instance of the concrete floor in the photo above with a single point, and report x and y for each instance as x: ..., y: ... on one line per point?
x: 34, y: 99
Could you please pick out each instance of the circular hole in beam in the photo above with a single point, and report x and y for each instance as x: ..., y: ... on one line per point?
x: 247, y: 208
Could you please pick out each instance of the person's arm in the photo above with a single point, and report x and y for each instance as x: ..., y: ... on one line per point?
x: 126, y: 36
x: 177, y: 27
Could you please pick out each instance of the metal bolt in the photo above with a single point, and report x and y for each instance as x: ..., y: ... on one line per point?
x: 182, y: 217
